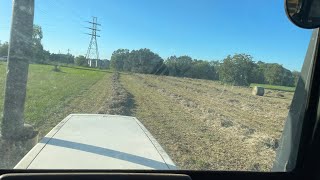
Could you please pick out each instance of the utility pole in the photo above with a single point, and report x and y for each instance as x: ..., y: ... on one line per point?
x: 93, y: 46
x: 20, y: 53
x: 17, y: 137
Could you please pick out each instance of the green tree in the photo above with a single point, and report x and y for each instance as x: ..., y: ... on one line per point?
x: 237, y: 69
x: 215, y: 65
x: 144, y: 61
x: 273, y: 74
x: 257, y: 75
x: 201, y: 70
x: 287, y: 78
x: 227, y: 71
x: 4, y: 49
x: 46, y: 56
x: 171, y: 64
x: 81, y: 61
x: 139, y: 61
x: 120, y: 60
x: 37, y: 48
x: 184, y: 64
x: 179, y: 66
x: 62, y: 58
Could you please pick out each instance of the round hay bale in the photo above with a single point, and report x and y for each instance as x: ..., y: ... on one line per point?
x: 258, y: 91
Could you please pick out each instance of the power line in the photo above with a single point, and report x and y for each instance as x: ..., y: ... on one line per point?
x: 93, y: 46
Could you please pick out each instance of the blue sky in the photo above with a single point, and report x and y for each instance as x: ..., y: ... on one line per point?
x: 202, y: 29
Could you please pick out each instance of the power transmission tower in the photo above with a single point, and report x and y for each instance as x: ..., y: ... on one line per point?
x: 93, y: 46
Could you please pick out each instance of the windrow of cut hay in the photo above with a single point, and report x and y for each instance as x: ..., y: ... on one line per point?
x: 120, y: 102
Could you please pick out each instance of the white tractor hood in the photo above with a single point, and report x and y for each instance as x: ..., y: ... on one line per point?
x: 97, y: 141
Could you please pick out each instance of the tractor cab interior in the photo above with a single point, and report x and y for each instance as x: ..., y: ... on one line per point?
x: 298, y: 154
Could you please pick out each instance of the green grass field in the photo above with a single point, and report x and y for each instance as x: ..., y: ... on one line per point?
x: 273, y: 87
x: 53, y: 95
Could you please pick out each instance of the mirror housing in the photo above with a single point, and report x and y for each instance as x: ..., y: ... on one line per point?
x: 303, y: 13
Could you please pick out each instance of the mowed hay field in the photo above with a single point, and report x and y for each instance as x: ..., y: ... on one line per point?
x: 201, y: 124
x: 207, y: 125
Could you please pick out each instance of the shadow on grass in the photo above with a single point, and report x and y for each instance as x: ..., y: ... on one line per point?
x: 130, y: 105
x: 57, y: 70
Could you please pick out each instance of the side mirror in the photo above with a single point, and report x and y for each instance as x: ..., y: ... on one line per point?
x: 304, y: 13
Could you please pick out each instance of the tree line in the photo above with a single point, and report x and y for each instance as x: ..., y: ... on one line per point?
x: 39, y: 54
x: 42, y: 56
x: 238, y: 69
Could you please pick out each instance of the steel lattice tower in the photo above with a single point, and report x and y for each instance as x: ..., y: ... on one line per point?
x: 93, y: 51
